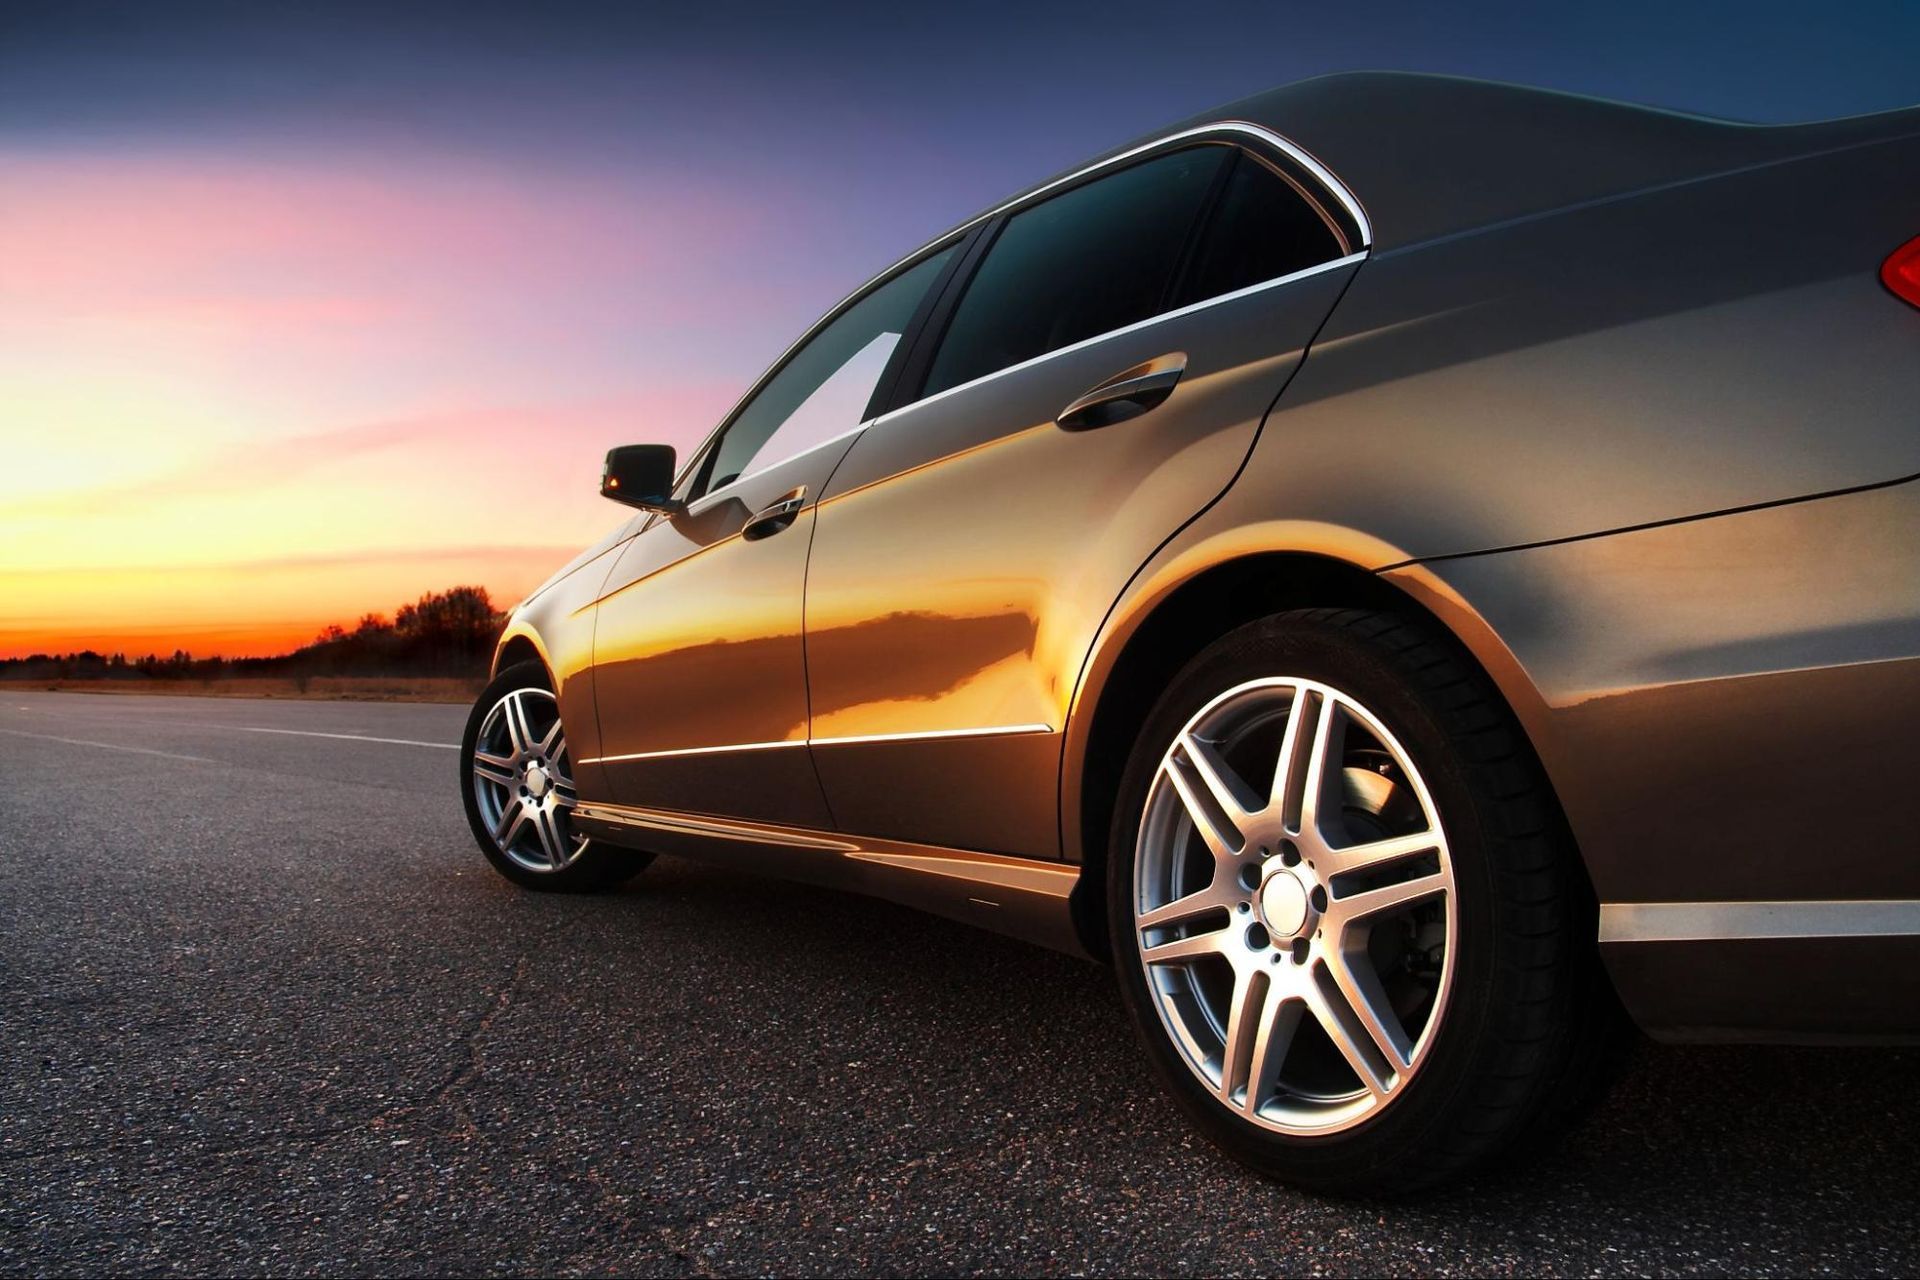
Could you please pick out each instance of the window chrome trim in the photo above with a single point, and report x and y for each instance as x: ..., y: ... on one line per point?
x: 953, y: 237
x: 1755, y: 921
x: 1299, y: 155
x: 1000, y: 730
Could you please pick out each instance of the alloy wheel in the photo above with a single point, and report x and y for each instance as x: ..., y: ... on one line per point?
x: 1294, y: 906
x: 523, y: 781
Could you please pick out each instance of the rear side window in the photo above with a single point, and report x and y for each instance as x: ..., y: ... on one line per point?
x: 1262, y: 229
x: 1096, y: 258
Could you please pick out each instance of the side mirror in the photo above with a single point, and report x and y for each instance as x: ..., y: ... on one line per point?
x: 641, y: 475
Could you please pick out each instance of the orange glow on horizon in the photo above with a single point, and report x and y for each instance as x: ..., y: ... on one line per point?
x: 244, y: 610
x: 244, y: 399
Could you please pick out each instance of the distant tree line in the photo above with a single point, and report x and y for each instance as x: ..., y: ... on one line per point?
x: 443, y: 633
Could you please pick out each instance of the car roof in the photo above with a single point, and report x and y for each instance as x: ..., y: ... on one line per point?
x: 1431, y: 156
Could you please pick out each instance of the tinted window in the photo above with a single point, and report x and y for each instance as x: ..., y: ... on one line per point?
x: 823, y: 389
x: 1096, y: 258
x: 1261, y: 230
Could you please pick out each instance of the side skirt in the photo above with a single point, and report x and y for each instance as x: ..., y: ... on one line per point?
x: 1021, y: 897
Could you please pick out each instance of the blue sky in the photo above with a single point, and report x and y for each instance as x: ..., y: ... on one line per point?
x: 421, y: 264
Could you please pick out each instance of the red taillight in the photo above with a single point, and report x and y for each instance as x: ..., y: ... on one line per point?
x: 1901, y: 272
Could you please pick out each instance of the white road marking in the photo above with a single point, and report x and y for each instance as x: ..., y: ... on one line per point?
x: 109, y: 746
x: 252, y: 728
x: 350, y: 737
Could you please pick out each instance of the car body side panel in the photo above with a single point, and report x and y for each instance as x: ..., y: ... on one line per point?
x: 1726, y: 706
x: 1696, y: 350
x: 968, y: 548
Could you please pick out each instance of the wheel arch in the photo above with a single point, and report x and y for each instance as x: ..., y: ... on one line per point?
x: 1173, y: 612
x: 519, y: 645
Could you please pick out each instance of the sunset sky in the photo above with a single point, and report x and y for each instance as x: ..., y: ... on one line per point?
x: 308, y: 309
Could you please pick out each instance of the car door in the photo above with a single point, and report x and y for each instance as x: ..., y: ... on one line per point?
x: 700, y: 673
x: 969, y: 544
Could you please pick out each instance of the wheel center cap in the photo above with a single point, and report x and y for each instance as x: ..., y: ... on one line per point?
x: 1283, y: 904
x: 537, y: 782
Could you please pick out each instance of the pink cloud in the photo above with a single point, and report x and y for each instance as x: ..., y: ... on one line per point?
x: 577, y: 434
x: 122, y: 225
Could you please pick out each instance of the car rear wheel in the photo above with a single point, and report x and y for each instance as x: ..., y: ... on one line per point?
x: 1347, y: 920
x: 516, y: 777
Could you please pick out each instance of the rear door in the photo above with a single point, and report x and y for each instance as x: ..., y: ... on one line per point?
x: 969, y: 544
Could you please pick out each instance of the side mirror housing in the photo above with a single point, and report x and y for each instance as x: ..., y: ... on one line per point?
x: 641, y: 475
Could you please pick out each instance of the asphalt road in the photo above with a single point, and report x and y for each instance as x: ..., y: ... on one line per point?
x: 263, y: 1007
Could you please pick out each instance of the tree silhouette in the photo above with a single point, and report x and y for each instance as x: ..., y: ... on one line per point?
x: 448, y: 633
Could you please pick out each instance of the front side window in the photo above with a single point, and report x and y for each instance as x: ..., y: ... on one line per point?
x: 1096, y: 258
x: 823, y: 389
x: 1262, y: 229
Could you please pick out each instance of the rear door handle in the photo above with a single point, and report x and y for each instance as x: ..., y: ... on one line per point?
x: 1127, y: 394
x: 776, y: 516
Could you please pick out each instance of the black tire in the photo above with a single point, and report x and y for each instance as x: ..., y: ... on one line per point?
x: 598, y: 866
x: 1528, y: 993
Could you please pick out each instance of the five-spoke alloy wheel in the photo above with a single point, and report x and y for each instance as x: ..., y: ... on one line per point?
x: 517, y: 779
x: 1293, y: 905
x: 1345, y: 915
x: 523, y: 781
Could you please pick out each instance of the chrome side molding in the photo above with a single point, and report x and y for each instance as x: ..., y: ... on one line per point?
x: 1736, y: 921
x: 1024, y: 897
x: 924, y: 735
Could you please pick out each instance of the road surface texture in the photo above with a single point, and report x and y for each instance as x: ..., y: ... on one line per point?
x: 263, y: 1007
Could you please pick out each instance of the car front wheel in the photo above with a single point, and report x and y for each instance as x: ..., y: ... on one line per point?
x: 1347, y: 921
x: 516, y: 776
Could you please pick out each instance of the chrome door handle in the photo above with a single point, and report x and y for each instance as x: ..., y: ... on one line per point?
x: 776, y: 516
x: 1127, y: 394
